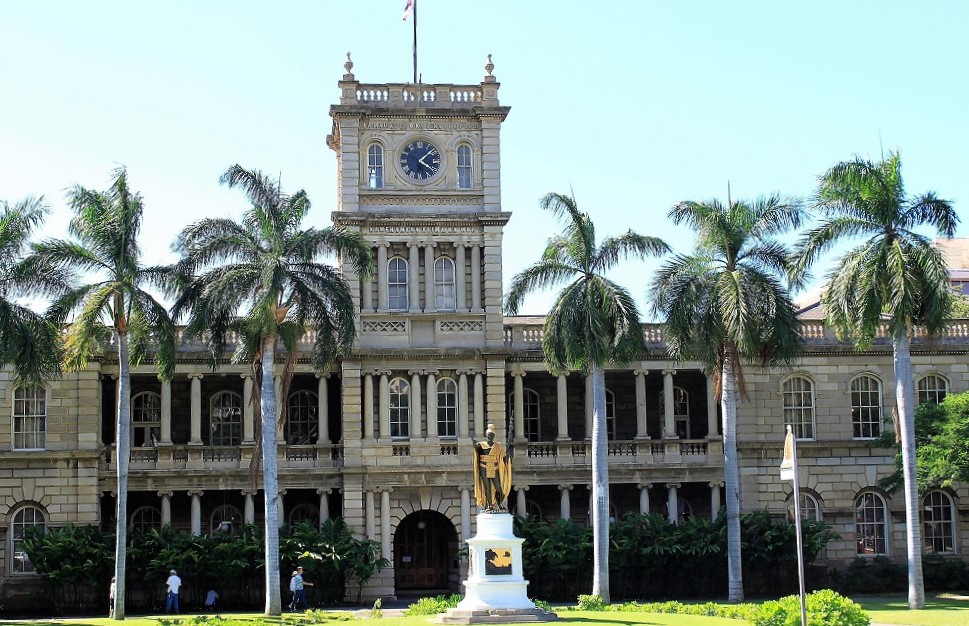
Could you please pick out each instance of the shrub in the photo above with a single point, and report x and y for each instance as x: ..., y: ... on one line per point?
x: 875, y: 575
x: 542, y: 604
x: 591, y: 603
x: 824, y: 608
x: 433, y: 606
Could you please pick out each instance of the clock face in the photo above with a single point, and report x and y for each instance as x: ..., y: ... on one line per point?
x: 420, y: 160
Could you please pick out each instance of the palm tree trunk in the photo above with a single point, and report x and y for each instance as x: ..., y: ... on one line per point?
x: 270, y: 476
x: 122, y: 445
x: 904, y: 399
x: 731, y: 480
x: 600, y: 487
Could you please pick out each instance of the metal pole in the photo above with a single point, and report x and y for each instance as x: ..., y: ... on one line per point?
x: 414, y: 10
x: 800, y: 541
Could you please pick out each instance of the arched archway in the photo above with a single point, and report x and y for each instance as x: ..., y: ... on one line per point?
x: 425, y: 554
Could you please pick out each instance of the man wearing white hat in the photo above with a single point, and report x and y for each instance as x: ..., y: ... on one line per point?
x: 173, y: 582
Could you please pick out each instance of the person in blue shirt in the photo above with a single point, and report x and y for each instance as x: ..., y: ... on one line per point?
x: 296, y: 585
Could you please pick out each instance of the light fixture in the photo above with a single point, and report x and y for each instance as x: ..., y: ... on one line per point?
x: 421, y: 525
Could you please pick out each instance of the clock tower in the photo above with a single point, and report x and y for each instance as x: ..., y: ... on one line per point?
x: 419, y: 178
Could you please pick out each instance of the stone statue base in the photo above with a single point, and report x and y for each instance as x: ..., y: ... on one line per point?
x: 495, y: 591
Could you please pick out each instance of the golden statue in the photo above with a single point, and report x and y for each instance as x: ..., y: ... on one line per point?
x: 492, y: 473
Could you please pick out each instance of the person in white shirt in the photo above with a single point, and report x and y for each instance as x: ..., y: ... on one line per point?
x: 173, y: 583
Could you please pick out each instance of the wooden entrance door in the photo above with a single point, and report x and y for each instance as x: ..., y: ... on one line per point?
x: 422, y: 552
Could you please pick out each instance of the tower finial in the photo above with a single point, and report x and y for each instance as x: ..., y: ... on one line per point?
x: 489, y: 66
x: 348, y: 66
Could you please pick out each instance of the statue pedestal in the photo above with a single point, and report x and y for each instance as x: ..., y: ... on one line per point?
x: 495, y: 591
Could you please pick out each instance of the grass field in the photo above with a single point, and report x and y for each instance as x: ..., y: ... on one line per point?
x: 945, y: 610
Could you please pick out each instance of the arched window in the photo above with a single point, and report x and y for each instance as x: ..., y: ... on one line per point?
x: 681, y: 411
x: 447, y: 408
x: 145, y: 419
x: 145, y: 518
x: 29, y: 418
x: 375, y: 166
x: 399, y: 408
x: 225, y: 520
x: 304, y: 513
x: 28, y: 516
x: 870, y: 524
x: 464, y: 166
x: 798, y: 393
x: 302, y: 418
x: 610, y: 415
x: 397, y: 284
x: 932, y: 388
x: 939, y: 522
x: 225, y: 418
x: 444, y: 295
x: 866, y: 407
x: 810, y: 509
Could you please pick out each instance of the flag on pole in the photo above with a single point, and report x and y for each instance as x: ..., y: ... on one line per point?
x: 789, y: 462
x: 408, y: 9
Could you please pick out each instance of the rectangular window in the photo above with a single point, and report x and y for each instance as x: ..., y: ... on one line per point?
x: 30, y: 418
x: 464, y: 167
x: 799, y: 406
x: 866, y: 412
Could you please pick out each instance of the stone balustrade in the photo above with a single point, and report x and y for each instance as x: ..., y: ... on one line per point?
x: 645, y: 451
x: 185, y: 457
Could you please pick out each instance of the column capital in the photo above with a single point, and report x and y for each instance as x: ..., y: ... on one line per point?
x: 192, y: 375
x: 641, y: 371
x: 383, y: 490
x: 322, y: 492
x: 249, y: 492
x: 518, y: 372
x: 428, y: 243
x: 162, y: 494
x: 566, y: 487
x: 195, y: 492
x: 382, y: 243
x: 716, y: 483
x: 645, y: 485
x: 467, y: 371
x: 522, y: 487
x: 669, y: 371
x: 326, y: 374
x: 672, y: 485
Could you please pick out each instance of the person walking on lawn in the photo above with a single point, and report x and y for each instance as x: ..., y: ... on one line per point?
x: 296, y: 585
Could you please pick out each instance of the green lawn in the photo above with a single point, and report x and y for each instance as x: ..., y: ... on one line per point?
x: 946, y: 610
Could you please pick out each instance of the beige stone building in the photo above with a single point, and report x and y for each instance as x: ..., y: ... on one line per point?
x: 384, y: 438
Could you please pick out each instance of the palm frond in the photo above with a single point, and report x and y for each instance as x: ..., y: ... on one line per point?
x: 629, y: 244
x: 540, y: 276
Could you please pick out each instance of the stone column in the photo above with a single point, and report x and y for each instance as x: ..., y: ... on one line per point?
x: 672, y: 502
x: 520, y: 504
x: 562, y: 406
x: 323, y: 408
x: 196, y: 512
x: 281, y: 516
x: 459, y: 274
x: 248, y: 417
x: 519, y: 406
x: 431, y: 404
x: 384, y: 407
x: 715, y: 499
x: 465, y: 513
x: 415, y: 404
x: 589, y: 401
x: 369, y: 515
x: 368, y: 406
x: 324, y: 505
x: 565, y: 502
x: 463, y: 418
x: 711, y: 410
x: 385, y: 524
x: 479, y: 405
x: 642, y: 431
x: 669, y: 421
x: 366, y: 295
x: 196, y: 407
x: 476, y: 278
x: 166, y: 414
x: 249, y: 507
x: 644, y: 497
x: 382, y: 292
x: 166, y: 508
x: 430, y: 301
x: 413, y: 278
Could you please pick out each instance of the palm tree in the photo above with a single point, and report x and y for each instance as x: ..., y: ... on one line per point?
x: 895, y: 277
x: 30, y: 343
x: 113, y: 308
x: 269, y: 271
x: 594, y: 321
x: 725, y: 305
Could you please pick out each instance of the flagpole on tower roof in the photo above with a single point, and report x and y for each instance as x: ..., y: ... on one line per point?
x: 411, y: 8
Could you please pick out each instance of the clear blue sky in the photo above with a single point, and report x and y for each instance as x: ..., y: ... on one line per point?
x: 634, y: 105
